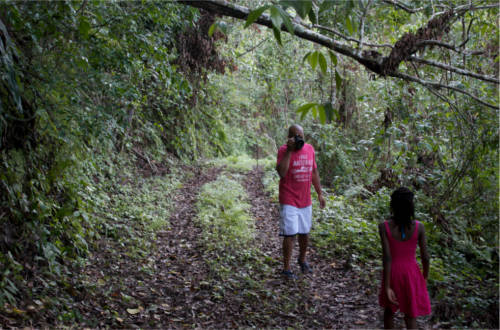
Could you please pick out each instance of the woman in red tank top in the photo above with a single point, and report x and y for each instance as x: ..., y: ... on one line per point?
x: 404, y: 287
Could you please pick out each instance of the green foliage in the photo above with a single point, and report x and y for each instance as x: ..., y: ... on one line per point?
x: 270, y: 181
x: 347, y: 228
x: 279, y: 17
x: 322, y: 111
x: 10, y: 270
x: 139, y: 207
x: 255, y: 14
x: 217, y: 26
x: 334, y: 157
x: 301, y: 7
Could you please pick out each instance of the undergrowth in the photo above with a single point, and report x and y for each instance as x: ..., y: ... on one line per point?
x: 228, y: 233
x: 240, y: 271
x: 129, y: 206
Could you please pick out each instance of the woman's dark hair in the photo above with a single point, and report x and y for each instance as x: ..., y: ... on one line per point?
x: 403, y: 209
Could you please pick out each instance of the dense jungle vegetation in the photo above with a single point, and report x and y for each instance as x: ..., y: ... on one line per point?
x: 109, y: 109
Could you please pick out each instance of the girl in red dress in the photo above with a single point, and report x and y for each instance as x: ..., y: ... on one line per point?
x: 404, y: 287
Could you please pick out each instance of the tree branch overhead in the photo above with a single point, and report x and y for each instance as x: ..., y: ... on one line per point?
x: 403, y: 50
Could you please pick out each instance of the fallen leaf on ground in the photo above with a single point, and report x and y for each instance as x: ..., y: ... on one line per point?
x: 133, y: 311
x: 17, y: 311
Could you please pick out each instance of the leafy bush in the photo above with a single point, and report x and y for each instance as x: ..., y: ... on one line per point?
x: 335, y: 156
x: 140, y: 204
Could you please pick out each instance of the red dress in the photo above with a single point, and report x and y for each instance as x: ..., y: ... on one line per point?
x: 407, y: 280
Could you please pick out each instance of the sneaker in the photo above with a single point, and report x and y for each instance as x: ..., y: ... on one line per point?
x: 289, y: 275
x: 304, y: 267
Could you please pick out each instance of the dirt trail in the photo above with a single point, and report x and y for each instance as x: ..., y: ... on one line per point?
x: 334, y: 296
x: 173, y: 287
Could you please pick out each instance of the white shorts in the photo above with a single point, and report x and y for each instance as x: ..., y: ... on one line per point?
x: 295, y: 221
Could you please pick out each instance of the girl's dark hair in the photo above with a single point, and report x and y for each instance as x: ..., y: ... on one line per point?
x: 403, y: 209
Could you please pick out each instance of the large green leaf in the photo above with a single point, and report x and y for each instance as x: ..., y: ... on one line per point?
x: 338, y: 80
x: 254, y: 15
x: 303, y: 115
x: 276, y: 17
x: 329, y: 111
x: 84, y: 27
x: 312, y: 16
x: 306, y: 57
x: 313, y: 60
x: 221, y: 26
x: 305, y: 109
x: 348, y: 25
x: 286, y: 20
x: 322, y: 115
x: 322, y: 62
x: 277, y: 35
x: 333, y: 57
x: 211, y: 30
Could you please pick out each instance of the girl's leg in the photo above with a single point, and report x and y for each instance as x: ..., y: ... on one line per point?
x: 388, y: 319
x: 411, y: 322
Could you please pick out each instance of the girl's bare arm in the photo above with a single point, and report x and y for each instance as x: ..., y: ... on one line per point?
x: 386, y: 255
x: 424, y: 254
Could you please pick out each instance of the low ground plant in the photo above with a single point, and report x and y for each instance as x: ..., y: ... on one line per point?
x: 242, y: 163
x: 223, y: 213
